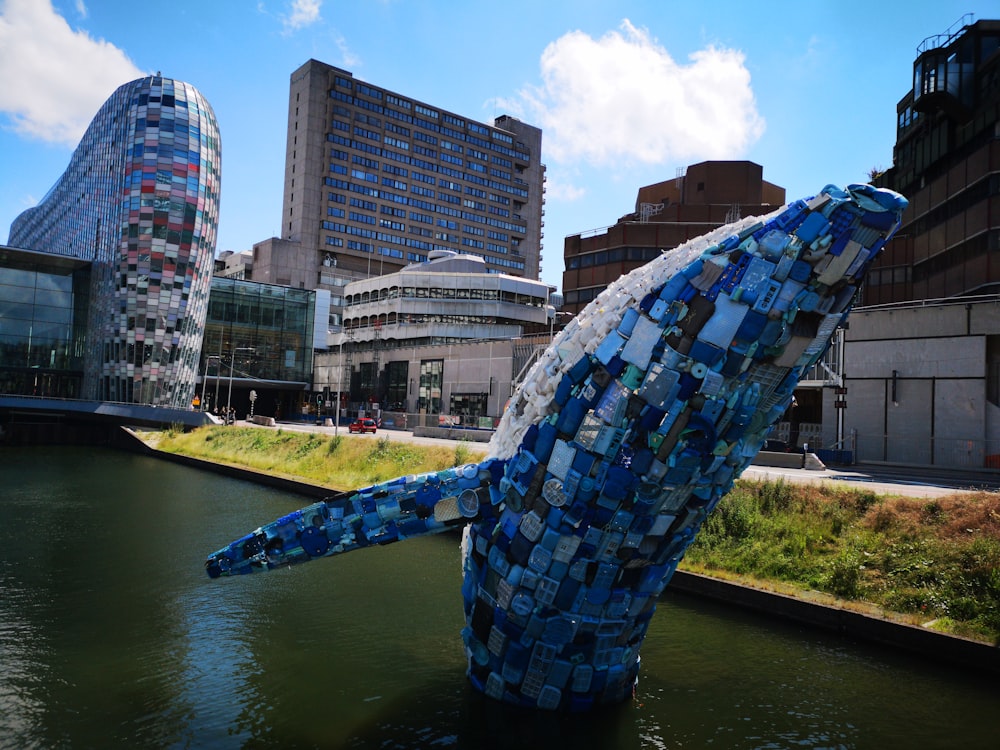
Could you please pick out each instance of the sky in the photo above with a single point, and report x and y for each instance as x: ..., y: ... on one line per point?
x: 627, y: 92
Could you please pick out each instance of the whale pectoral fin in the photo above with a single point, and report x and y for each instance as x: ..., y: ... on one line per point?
x: 410, y: 506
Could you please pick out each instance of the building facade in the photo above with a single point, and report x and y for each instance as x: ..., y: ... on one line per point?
x: 438, y: 337
x: 233, y: 265
x: 376, y: 180
x: 44, y: 301
x: 923, y: 384
x: 258, y: 351
x: 139, y: 201
x: 946, y: 161
x: 447, y: 299
x: 922, y: 355
x: 667, y: 214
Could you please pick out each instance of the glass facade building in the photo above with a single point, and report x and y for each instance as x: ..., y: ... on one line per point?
x: 43, y: 312
x: 258, y: 337
x: 140, y: 201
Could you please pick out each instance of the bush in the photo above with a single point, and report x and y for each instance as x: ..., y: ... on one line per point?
x: 843, y: 576
x: 734, y: 519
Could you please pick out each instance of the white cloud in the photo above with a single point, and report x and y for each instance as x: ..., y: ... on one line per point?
x: 81, y: 8
x: 304, y: 13
x: 623, y: 99
x: 54, y: 78
x: 560, y: 190
x: 347, y: 57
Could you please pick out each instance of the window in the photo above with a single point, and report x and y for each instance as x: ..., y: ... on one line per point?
x: 431, y: 382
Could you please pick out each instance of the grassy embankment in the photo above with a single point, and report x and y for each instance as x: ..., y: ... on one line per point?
x: 340, y: 462
x: 926, y: 561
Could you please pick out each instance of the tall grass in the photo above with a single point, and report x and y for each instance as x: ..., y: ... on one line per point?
x: 933, y: 559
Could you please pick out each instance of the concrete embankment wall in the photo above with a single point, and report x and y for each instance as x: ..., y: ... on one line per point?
x: 940, y: 647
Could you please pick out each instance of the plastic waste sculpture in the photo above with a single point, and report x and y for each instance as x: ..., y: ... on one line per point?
x: 622, y: 438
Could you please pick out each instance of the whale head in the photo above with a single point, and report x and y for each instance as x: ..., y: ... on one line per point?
x: 621, y: 439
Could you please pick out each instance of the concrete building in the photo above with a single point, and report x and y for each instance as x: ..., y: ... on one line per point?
x: 442, y: 337
x: 376, y: 180
x: 140, y: 202
x: 233, y: 265
x: 446, y: 299
x: 667, y: 214
x: 922, y: 355
x: 923, y: 386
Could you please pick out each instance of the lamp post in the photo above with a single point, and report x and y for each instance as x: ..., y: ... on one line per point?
x: 232, y: 364
x: 217, y: 373
x: 340, y: 378
x: 204, y: 379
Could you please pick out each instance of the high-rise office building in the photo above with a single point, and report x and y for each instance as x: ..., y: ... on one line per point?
x: 140, y: 201
x: 375, y: 180
x: 946, y: 161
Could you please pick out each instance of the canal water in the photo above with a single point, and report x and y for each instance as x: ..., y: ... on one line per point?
x: 111, y: 635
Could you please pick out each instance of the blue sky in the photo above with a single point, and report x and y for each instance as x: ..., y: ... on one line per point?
x: 626, y: 92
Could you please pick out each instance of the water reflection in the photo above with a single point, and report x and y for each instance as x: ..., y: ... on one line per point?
x: 112, y: 636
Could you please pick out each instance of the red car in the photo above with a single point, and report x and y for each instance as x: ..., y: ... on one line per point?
x: 365, y: 424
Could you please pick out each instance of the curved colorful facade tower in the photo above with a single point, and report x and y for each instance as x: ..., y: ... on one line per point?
x: 140, y: 200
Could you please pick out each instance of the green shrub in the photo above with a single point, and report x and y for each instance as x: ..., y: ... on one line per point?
x: 843, y: 576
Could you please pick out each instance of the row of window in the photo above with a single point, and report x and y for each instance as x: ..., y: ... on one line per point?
x: 416, y: 292
x: 615, y: 255
x: 499, y: 141
x: 496, y: 223
x: 500, y: 187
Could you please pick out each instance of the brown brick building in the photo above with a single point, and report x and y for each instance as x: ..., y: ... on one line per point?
x: 667, y: 214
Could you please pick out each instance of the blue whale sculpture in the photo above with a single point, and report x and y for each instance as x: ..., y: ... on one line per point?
x: 622, y: 438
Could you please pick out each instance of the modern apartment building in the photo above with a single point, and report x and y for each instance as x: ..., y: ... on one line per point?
x: 139, y: 201
x: 376, y: 180
x: 667, y: 214
x: 946, y: 161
